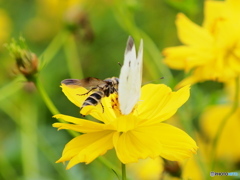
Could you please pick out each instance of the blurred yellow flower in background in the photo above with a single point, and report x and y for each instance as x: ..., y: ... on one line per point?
x: 5, y: 27
x: 228, y: 147
x: 52, y: 16
x: 150, y: 169
x: 138, y: 135
x: 210, y: 52
x: 155, y: 169
x: 191, y: 169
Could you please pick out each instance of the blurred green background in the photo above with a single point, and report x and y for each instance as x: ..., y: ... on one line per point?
x: 77, y: 39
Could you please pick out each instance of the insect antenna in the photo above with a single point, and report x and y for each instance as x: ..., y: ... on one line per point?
x: 119, y: 64
x: 153, y: 80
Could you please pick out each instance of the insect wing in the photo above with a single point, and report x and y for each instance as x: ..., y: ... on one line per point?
x: 86, y: 82
x: 130, y: 79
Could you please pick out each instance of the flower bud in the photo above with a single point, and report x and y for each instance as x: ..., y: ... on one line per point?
x: 26, y: 61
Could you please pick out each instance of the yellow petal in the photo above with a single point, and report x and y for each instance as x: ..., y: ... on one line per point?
x: 176, y: 145
x: 125, y: 123
x: 189, y: 80
x: 74, y: 94
x: 87, y: 110
x: 192, y: 34
x: 80, y: 125
x: 192, y: 169
x: 86, y: 148
x: 159, y: 103
x: 213, y: 10
x: 152, y: 141
x: 187, y: 57
x: 221, y: 18
x: 106, y: 115
x: 234, y: 9
x: 228, y: 145
x: 147, y: 169
x: 77, y: 95
x: 134, y: 145
x: 234, y: 62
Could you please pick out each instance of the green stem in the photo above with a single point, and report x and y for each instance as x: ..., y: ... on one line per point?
x: 53, y: 48
x: 46, y: 98
x: 124, y: 176
x: 50, y: 104
x: 109, y: 165
x: 72, y: 57
x: 11, y: 88
x: 9, y: 107
x: 223, y: 123
x: 188, y: 127
x: 28, y: 123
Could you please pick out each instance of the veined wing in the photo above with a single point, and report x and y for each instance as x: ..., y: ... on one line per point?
x: 86, y: 82
x: 130, y: 79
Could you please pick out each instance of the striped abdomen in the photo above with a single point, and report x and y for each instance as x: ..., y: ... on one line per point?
x: 93, y: 99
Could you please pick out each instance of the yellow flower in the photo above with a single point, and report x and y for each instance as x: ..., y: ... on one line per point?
x: 191, y: 169
x: 138, y: 135
x: 147, y: 169
x: 228, y: 147
x: 210, y: 52
x: 5, y: 27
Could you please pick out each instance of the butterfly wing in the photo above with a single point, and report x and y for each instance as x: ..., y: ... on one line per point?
x: 130, y: 79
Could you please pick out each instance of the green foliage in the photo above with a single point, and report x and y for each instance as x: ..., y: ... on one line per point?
x: 82, y: 40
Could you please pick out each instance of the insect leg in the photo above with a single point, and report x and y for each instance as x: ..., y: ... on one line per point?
x: 102, y: 106
x: 88, y: 91
x: 115, y: 90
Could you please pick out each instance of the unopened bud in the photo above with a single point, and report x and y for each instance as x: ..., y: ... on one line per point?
x: 26, y: 61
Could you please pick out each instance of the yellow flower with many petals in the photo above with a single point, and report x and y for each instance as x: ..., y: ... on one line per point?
x: 210, y: 52
x: 228, y: 147
x: 138, y: 135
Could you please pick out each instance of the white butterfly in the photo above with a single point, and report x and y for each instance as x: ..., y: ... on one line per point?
x: 130, y: 79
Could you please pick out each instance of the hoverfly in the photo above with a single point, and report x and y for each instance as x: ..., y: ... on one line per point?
x: 100, y: 88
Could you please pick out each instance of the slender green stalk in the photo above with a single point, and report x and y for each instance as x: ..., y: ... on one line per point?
x: 72, y: 57
x: 50, y: 104
x: 53, y: 48
x: 109, y: 165
x: 9, y: 107
x: 28, y: 123
x: 46, y: 98
x: 7, y: 169
x: 185, y: 120
x: 11, y: 88
x: 223, y: 123
x: 124, y: 175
